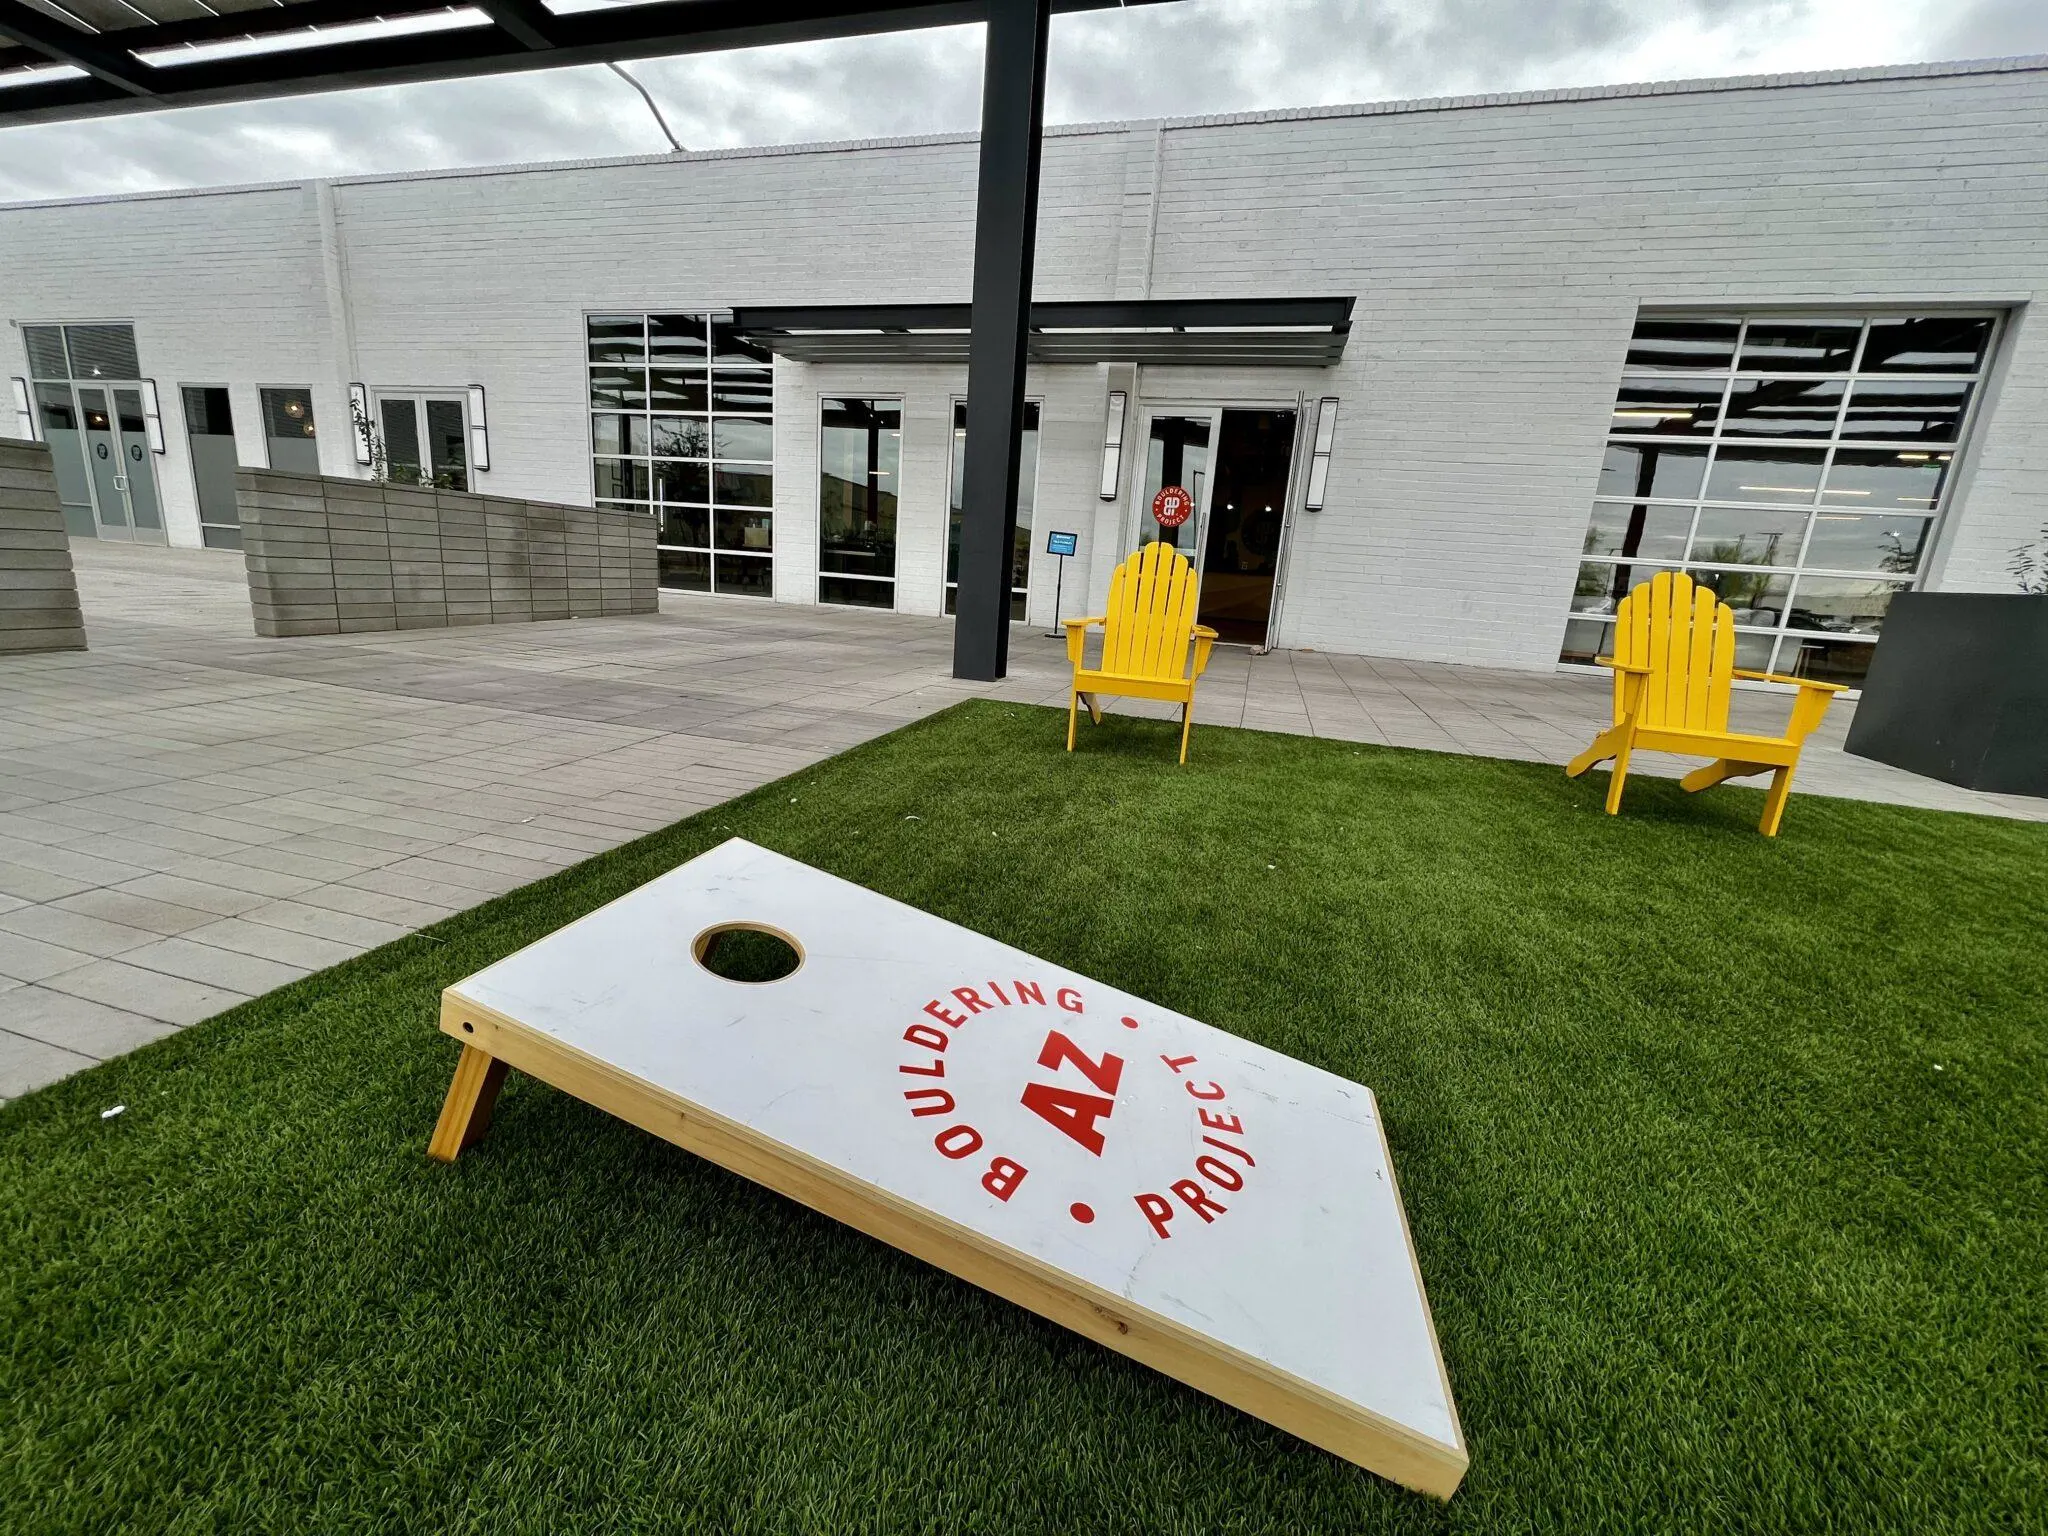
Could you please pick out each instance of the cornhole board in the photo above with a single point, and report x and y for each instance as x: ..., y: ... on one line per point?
x: 1212, y: 1208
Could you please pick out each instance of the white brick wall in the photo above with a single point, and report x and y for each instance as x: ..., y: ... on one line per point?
x: 1498, y: 248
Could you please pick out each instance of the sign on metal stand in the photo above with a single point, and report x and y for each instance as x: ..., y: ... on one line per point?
x: 1063, y: 545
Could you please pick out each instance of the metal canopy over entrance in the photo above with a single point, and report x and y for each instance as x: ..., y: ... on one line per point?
x: 1228, y: 332
x: 90, y: 58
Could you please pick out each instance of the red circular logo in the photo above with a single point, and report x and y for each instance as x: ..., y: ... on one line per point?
x: 1170, y: 508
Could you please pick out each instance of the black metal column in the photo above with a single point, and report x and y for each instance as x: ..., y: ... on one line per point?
x: 1005, y: 230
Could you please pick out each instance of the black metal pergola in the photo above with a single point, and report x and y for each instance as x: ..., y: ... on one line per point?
x: 68, y: 59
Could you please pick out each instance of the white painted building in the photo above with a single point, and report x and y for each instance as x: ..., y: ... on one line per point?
x: 1779, y: 324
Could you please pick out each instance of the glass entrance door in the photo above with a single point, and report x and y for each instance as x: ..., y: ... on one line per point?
x: 120, y: 475
x: 1235, y: 466
x: 103, y: 463
x: 1247, y: 516
x: 1178, y: 447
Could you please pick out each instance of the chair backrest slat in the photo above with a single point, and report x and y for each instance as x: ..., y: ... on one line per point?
x: 1685, y: 635
x: 1151, y: 614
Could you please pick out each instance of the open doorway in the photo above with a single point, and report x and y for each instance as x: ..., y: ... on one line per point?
x: 1234, y: 465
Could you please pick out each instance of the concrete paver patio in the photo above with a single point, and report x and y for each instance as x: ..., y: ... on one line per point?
x: 190, y: 816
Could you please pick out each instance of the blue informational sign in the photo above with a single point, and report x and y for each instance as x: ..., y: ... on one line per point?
x: 1062, y: 543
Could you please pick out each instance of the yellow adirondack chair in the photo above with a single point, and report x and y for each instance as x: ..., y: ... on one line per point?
x: 1145, y: 639
x: 1674, y: 661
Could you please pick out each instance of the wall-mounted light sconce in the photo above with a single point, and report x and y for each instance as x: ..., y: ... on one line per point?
x: 479, y: 433
x: 24, y: 417
x: 359, y: 421
x: 152, y: 417
x: 1113, y: 445
x: 1319, y: 464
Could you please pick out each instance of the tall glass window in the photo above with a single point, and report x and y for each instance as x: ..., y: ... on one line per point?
x: 682, y: 429
x: 861, y: 460
x: 1798, y: 466
x: 288, y: 430
x: 1027, y: 497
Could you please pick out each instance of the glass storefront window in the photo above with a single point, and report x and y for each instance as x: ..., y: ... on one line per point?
x: 1027, y: 499
x: 682, y: 429
x: 1812, y: 466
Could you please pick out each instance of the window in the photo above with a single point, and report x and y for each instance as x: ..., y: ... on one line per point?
x: 682, y: 428
x: 860, y: 465
x: 81, y: 351
x: 210, y: 434
x: 1796, y: 465
x: 424, y: 438
x: 288, y: 430
x: 1027, y: 496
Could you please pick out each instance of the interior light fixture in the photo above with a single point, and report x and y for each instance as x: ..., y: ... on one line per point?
x: 1620, y: 415
x: 1319, y: 462
x: 359, y: 417
x: 479, y: 434
x: 1113, y: 445
x: 152, y: 417
x: 24, y: 418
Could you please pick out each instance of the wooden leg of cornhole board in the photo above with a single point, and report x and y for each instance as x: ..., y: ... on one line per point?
x: 466, y: 1112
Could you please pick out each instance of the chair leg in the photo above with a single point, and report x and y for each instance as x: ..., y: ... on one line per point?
x: 1717, y: 771
x: 1187, y: 720
x: 1774, y: 801
x: 466, y: 1112
x: 1603, y: 747
x: 1617, y: 778
x: 1073, y: 709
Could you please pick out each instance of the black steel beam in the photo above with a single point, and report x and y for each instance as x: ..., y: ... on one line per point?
x: 583, y: 37
x: 113, y: 68
x: 1005, y: 234
x: 1107, y: 314
x: 532, y: 23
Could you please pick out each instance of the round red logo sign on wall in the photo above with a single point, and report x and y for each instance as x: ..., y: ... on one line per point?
x: 1170, y: 508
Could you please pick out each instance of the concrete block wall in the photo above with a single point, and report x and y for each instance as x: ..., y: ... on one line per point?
x: 330, y: 556
x: 38, y: 590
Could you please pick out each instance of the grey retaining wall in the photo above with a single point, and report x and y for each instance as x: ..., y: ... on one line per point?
x: 38, y: 591
x: 329, y: 556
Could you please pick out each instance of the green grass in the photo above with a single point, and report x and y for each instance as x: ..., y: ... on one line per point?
x: 1725, y: 1159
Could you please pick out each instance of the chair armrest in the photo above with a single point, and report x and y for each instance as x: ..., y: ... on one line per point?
x: 1620, y: 666
x: 1793, y: 682
x: 1807, y: 709
x: 1205, y: 638
x: 1077, y: 636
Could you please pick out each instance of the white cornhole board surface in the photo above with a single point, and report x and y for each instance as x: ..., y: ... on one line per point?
x: 1213, y: 1208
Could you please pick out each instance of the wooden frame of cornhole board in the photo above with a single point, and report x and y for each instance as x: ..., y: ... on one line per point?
x: 1221, y: 1212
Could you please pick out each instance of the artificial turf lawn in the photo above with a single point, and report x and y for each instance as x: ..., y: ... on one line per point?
x: 1724, y: 1157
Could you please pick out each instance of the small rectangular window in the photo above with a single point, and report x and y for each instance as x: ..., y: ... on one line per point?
x: 45, y: 345
x: 1937, y: 344
x: 102, y: 351
x: 288, y: 430
x: 1683, y: 343
x: 1783, y: 408
x: 1798, y: 346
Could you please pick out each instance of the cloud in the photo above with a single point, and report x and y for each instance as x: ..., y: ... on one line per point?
x: 1197, y: 56
x: 1996, y: 29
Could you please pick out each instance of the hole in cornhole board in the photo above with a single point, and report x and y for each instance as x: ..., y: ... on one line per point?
x: 749, y: 952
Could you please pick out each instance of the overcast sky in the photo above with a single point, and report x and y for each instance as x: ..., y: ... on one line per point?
x: 1196, y: 56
